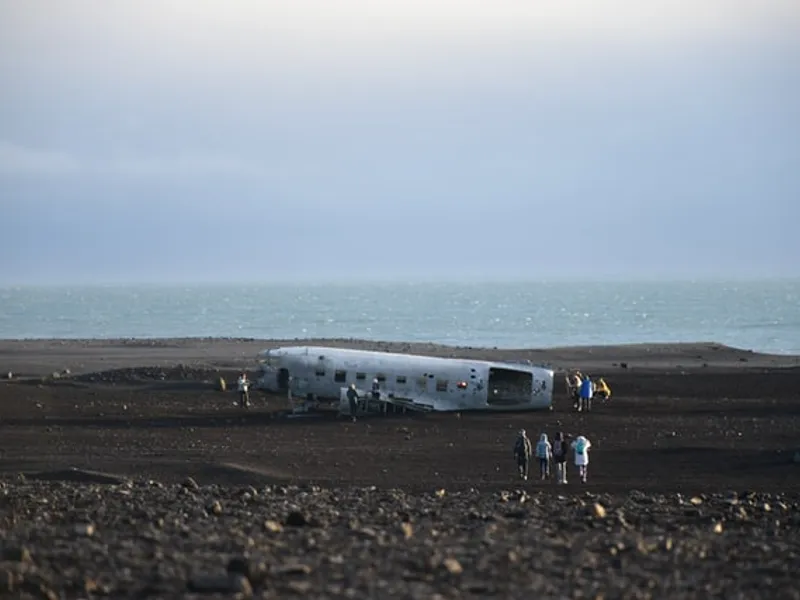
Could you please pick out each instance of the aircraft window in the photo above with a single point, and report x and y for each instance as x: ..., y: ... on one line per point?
x: 340, y: 376
x: 401, y: 379
x: 441, y: 385
x: 380, y: 377
x: 361, y: 376
x: 320, y: 373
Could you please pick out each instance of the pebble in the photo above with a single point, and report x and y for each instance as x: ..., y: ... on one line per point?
x: 273, y: 526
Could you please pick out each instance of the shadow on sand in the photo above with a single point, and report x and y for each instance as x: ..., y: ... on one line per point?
x: 202, y: 420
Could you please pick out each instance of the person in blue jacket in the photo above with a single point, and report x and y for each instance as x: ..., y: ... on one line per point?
x: 586, y: 391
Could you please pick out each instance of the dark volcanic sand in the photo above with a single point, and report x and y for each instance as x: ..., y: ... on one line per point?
x: 674, y: 430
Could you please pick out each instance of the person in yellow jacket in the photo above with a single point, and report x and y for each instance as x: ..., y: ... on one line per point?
x: 601, y: 390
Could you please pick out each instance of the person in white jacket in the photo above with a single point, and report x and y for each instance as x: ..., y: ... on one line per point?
x: 581, y: 447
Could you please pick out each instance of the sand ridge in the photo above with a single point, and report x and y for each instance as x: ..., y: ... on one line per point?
x: 40, y: 357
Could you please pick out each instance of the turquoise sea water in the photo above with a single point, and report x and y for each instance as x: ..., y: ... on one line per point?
x: 762, y: 316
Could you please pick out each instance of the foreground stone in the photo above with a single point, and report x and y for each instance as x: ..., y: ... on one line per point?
x: 141, y: 539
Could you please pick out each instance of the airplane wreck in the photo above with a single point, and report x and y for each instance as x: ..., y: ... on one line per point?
x: 318, y: 375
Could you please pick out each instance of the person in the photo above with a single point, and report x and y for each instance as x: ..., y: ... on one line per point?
x: 522, y: 452
x: 601, y: 390
x: 243, y: 385
x: 352, y: 398
x: 574, y: 387
x: 544, y: 452
x: 376, y: 389
x: 560, y: 452
x: 585, y: 394
x: 581, y: 446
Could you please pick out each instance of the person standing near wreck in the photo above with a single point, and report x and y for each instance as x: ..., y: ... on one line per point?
x: 544, y: 452
x: 522, y: 453
x: 352, y: 398
x: 560, y: 453
x: 243, y: 386
x: 581, y: 447
x: 586, y: 391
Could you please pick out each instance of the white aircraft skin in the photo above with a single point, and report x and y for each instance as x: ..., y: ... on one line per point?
x: 415, y: 381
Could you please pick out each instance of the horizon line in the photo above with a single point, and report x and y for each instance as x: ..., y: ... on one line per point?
x: 279, y: 282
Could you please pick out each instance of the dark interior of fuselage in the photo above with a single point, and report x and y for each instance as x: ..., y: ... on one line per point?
x: 509, y: 386
x: 283, y: 380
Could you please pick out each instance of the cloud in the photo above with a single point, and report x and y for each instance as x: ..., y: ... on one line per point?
x: 21, y: 160
x: 202, y: 36
x: 181, y: 166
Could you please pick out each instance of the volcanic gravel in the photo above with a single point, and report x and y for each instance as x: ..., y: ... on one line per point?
x: 140, y: 539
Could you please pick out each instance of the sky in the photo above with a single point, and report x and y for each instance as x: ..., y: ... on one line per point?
x: 257, y: 141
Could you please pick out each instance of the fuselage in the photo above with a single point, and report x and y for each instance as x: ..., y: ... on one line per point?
x: 439, y: 384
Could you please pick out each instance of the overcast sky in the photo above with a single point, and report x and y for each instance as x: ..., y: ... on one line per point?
x: 310, y: 139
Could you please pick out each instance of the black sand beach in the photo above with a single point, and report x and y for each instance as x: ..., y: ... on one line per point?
x: 693, y: 488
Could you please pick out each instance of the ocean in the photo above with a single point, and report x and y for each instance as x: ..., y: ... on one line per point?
x: 761, y: 316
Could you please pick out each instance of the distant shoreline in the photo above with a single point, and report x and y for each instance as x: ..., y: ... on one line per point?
x: 42, y: 356
x: 592, y: 279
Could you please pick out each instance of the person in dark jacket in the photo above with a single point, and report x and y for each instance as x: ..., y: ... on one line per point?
x: 560, y: 454
x: 352, y: 398
x: 522, y: 452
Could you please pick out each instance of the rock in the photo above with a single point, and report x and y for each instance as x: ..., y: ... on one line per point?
x: 84, y: 529
x: 407, y: 530
x: 7, y: 581
x: 273, y: 526
x: 255, y: 571
x: 215, y: 508
x: 599, y: 510
x: 233, y: 583
x: 190, y: 484
x: 293, y: 568
x: 296, y: 519
x: 18, y: 554
x: 453, y: 566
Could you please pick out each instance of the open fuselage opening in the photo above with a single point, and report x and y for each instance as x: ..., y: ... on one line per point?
x: 283, y: 380
x: 509, y: 387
